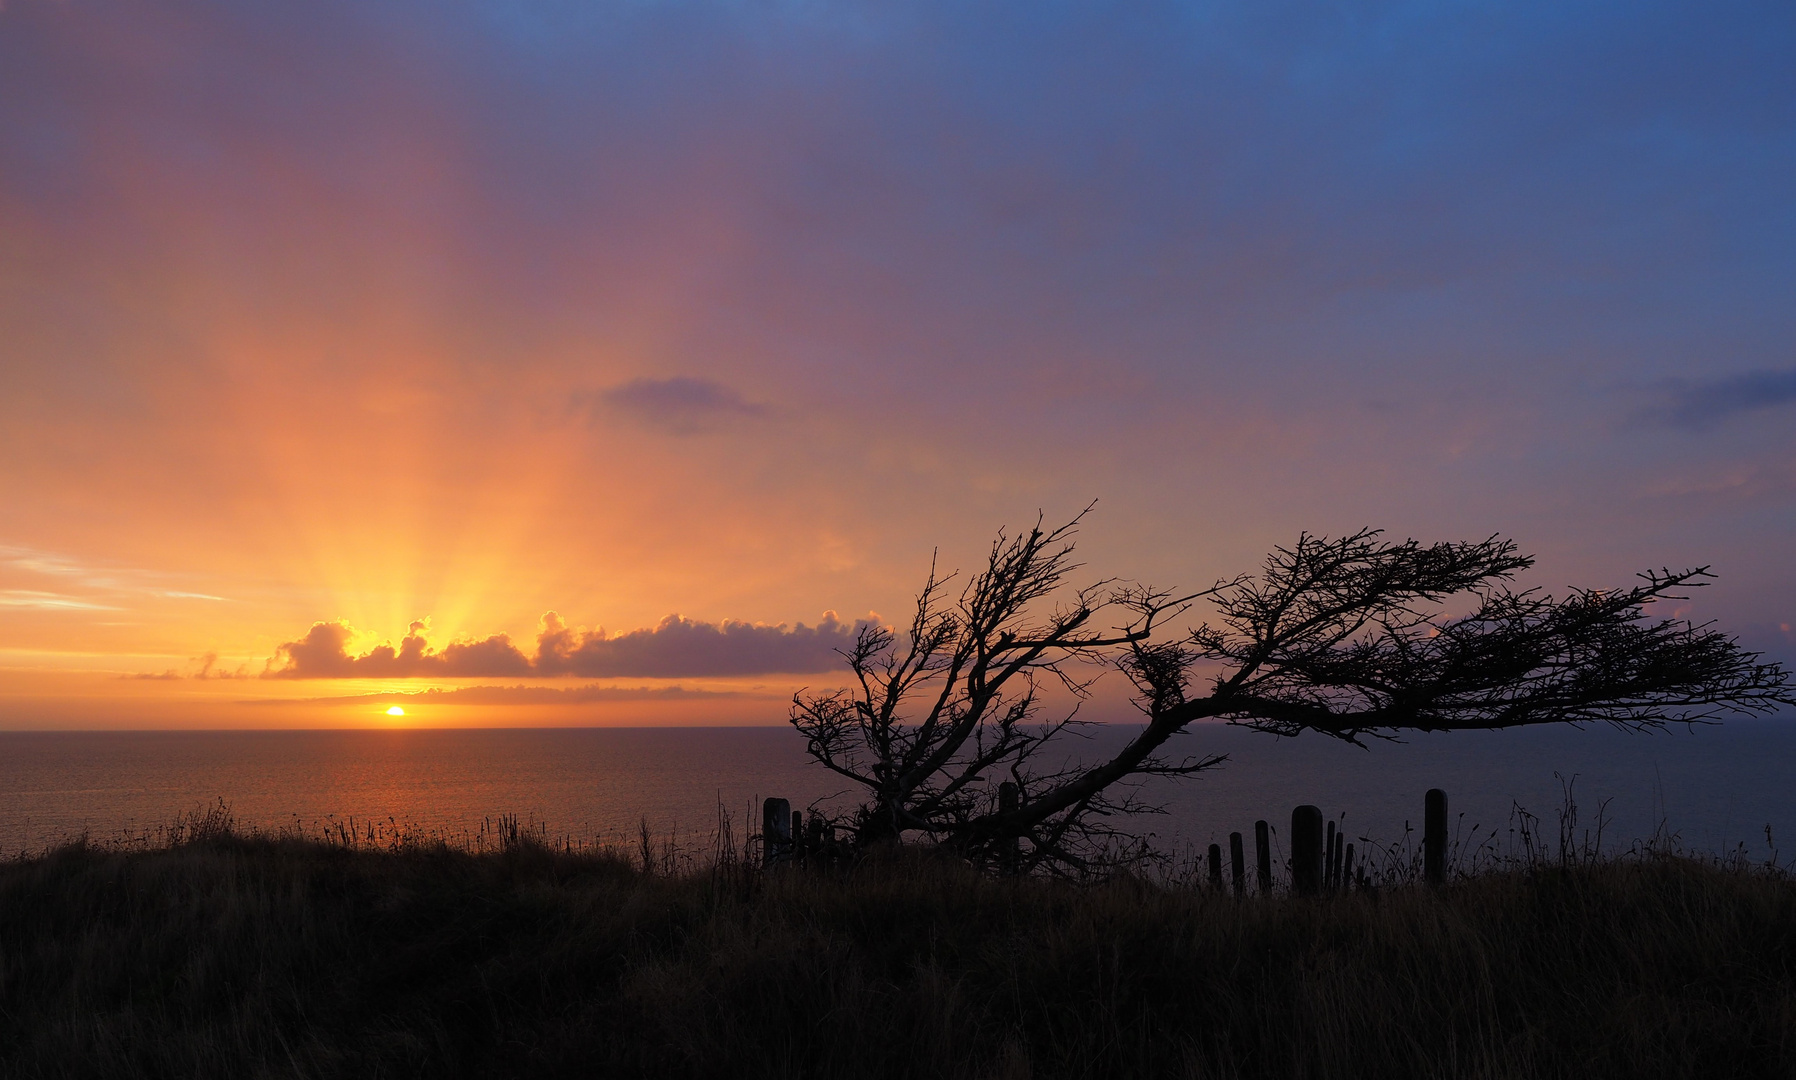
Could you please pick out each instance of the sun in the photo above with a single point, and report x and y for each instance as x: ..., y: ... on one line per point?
x: 395, y: 711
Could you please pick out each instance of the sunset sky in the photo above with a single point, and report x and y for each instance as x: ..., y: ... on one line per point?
x: 668, y: 340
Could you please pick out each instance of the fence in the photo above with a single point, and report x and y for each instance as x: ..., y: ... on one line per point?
x: 787, y: 836
x: 1322, y: 858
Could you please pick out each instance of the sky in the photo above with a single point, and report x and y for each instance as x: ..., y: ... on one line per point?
x: 555, y: 363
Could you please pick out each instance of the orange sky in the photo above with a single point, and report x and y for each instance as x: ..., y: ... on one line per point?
x: 344, y: 315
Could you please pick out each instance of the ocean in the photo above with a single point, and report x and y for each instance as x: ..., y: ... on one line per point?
x: 1714, y: 788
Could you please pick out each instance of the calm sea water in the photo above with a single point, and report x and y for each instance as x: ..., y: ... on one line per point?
x: 1716, y: 787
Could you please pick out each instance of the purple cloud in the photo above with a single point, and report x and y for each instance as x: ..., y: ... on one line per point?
x: 1701, y: 405
x: 677, y: 648
x: 682, y: 405
x: 323, y: 654
x: 680, y: 648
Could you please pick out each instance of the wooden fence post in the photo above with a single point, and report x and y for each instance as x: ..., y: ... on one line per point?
x: 1215, y: 866
x: 1262, y: 852
x: 1434, y: 836
x: 1306, y: 850
x: 1347, y: 869
x: 1329, y: 851
x: 1237, y: 864
x: 776, y: 831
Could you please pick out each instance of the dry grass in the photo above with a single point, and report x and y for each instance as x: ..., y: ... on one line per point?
x: 236, y: 956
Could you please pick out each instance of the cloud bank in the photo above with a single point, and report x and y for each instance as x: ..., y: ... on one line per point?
x: 677, y: 648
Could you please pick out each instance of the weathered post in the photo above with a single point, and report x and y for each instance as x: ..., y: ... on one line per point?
x: 1434, y: 836
x: 813, y: 840
x: 1215, y: 866
x: 1237, y: 864
x: 1347, y: 869
x: 1262, y: 853
x: 1328, y: 859
x: 1306, y: 850
x: 798, y: 851
x: 776, y: 834
x: 1009, y: 854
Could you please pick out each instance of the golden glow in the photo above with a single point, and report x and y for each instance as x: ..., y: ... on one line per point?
x: 395, y: 711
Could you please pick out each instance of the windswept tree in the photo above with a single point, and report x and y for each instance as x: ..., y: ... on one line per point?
x: 1353, y: 637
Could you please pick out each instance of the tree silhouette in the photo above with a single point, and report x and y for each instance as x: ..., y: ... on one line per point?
x: 1350, y: 637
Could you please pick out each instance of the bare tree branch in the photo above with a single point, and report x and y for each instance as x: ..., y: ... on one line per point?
x: 1349, y: 637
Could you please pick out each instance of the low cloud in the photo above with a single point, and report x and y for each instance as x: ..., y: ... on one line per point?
x: 677, y: 648
x: 1700, y: 406
x: 681, y: 405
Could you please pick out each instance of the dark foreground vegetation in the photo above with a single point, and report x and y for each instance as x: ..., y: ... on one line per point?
x: 225, y: 955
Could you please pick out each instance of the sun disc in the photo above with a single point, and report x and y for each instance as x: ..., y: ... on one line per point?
x: 395, y: 711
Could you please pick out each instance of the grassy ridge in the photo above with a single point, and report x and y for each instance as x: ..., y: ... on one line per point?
x: 241, y: 956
